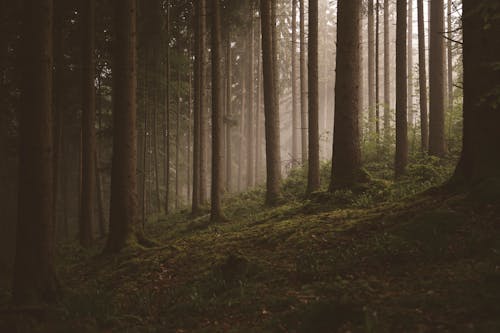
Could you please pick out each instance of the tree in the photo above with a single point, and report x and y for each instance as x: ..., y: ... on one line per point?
x: 422, y: 78
x: 387, y: 73
x: 480, y: 159
x: 34, y: 273
x: 409, y: 64
x: 371, y: 69
x: 273, y: 160
x: 295, y: 115
x: 303, y: 81
x: 346, y: 161
x: 217, y: 114
x: 123, y: 206
x: 88, y: 125
x: 313, y: 181
x: 251, y: 104
x: 436, y: 80
x: 401, y: 91
x: 197, y: 110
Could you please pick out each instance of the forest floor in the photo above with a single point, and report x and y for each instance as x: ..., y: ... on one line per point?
x: 381, y: 259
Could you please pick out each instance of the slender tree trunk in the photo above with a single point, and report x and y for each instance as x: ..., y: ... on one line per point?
x: 295, y: 97
x: 313, y: 181
x: 166, y: 134
x: 196, y: 199
x: 34, y: 273
x: 188, y: 135
x: 410, y: 65
x: 377, y: 71
x: 346, y: 162
x: 480, y: 160
x: 436, y: 80
x: 178, y: 141
x: 424, y: 124
x: 228, y: 120
x: 100, y: 199
x: 242, y: 132
x: 401, y: 90
x: 371, y: 69
x: 303, y: 81
x: 387, y: 74
x: 217, y: 114
x: 203, y: 104
x: 450, y: 65
x: 87, y: 215
x: 251, y: 81
x: 258, y: 120
x: 273, y: 160
x: 123, y: 207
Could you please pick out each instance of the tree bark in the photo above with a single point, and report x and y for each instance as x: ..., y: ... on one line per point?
x: 371, y: 70
x: 123, y: 222
x: 436, y: 81
x: 422, y: 69
x: 88, y: 186
x: 387, y: 74
x: 346, y: 161
x: 217, y: 114
x: 196, y: 199
x: 295, y: 97
x: 401, y: 91
x: 410, y: 65
x: 273, y: 160
x: 250, y: 114
x: 204, y: 138
x: 303, y: 81
x: 480, y: 160
x: 34, y: 273
x: 313, y: 181
x: 228, y: 117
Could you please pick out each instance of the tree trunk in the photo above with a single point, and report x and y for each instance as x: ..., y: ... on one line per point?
x: 387, y: 74
x: 166, y: 133
x: 401, y: 91
x: 242, y: 131
x: 295, y: 97
x: 123, y: 205
x: 87, y: 211
x: 217, y: 114
x: 273, y: 160
x: 346, y: 161
x: 450, y: 65
x: 303, y: 81
x: 204, y: 138
x: 258, y: 119
x: 371, y: 70
x: 178, y: 141
x: 313, y: 181
x: 410, y: 65
x: 196, y: 199
x: 251, y: 81
x: 34, y: 273
x: 436, y: 80
x: 480, y: 158
x: 424, y: 124
x: 228, y: 120
x: 377, y: 71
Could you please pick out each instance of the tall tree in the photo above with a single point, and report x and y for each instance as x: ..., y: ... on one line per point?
x: 346, y: 162
x: 449, y: 48
x: 34, y: 273
x: 436, y: 80
x: 123, y: 205
x: 401, y: 90
x: 251, y: 105
x: 371, y: 68
x: 217, y: 114
x: 387, y: 72
x: 166, y: 113
x: 480, y: 158
x: 303, y: 81
x: 273, y: 160
x: 409, y: 52
x: 198, y: 102
x: 422, y: 78
x: 295, y: 115
x: 88, y: 124
x: 228, y: 116
x: 313, y: 181
x: 377, y: 70
x: 204, y: 137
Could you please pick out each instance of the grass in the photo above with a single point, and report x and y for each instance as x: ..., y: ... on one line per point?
x: 381, y: 259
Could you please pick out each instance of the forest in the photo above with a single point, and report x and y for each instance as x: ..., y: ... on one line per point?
x: 250, y: 166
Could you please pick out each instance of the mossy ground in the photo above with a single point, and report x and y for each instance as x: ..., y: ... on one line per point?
x: 381, y: 259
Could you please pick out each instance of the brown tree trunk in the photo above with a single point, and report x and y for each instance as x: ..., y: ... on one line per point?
x: 228, y: 119
x: 242, y: 132
x: 198, y: 59
x: 450, y: 65
x: 123, y: 206
x: 88, y: 186
x: 204, y: 138
x: 166, y: 134
x: 401, y: 91
x: 436, y: 80
x: 250, y: 121
x: 295, y: 97
x: 34, y: 273
x: 346, y: 162
x: 371, y: 69
x: 273, y: 160
x: 313, y: 181
x: 387, y: 74
x: 480, y: 158
x: 178, y: 141
x: 303, y: 81
x: 422, y: 69
x: 410, y: 65
x: 377, y: 71
x: 217, y: 114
